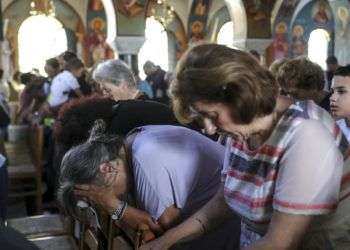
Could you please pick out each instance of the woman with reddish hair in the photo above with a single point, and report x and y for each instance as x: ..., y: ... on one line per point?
x: 283, y: 162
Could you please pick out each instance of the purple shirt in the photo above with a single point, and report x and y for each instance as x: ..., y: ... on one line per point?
x: 173, y: 165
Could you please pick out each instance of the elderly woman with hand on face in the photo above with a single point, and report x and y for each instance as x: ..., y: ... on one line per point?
x: 282, y: 167
x: 172, y: 171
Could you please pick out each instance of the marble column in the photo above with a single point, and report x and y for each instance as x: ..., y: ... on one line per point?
x: 128, y: 48
x: 260, y: 45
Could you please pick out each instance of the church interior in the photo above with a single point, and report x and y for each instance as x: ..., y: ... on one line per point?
x: 174, y: 124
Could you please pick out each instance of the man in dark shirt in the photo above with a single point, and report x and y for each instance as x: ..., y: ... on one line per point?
x: 75, y: 119
x: 156, y: 77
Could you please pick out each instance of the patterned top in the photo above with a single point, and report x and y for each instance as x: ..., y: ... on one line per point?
x: 297, y: 170
x: 344, y: 128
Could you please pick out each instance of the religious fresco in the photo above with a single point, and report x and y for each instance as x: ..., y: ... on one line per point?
x: 280, y: 42
x: 293, y: 41
x: 130, y: 17
x: 287, y: 8
x: 176, y: 27
x: 314, y: 15
x: 343, y: 16
x: 95, y: 40
x: 299, y: 44
x: 286, y: 11
x: 320, y: 13
x: 258, y: 17
x: 281, y: 29
x: 341, y: 10
x: 198, y: 20
x: 130, y: 8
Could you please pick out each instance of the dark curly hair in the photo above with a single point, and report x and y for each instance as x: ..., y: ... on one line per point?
x: 76, y: 118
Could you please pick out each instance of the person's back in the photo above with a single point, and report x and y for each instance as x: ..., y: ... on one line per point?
x: 62, y: 84
x: 129, y: 114
x: 174, y: 166
x: 145, y: 87
x: 159, y: 85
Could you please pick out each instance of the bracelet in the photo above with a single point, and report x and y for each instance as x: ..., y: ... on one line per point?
x: 204, y: 230
x: 119, y: 211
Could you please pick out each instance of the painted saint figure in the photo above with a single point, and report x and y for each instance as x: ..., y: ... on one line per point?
x: 280, y: 44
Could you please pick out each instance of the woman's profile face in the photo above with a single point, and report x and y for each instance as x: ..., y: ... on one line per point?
x: 217, y: 118
x: 115, y: 175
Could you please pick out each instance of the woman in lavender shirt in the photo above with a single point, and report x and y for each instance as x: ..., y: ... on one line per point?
x: 172, y: 172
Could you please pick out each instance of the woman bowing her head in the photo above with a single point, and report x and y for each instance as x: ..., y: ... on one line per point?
x: 283, y: 162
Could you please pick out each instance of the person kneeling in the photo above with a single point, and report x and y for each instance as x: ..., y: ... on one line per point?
x: 172, y: 172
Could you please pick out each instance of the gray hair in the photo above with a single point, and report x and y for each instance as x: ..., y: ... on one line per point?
x: 114, y: 71
x: 80, y: 165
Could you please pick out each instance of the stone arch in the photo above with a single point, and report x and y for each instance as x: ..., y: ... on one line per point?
x: 21, y: 11
x: 216, y: 21
x: 239, y: 19
x: 111, y: 20
x: 302, y: 11
x: 275, y: 11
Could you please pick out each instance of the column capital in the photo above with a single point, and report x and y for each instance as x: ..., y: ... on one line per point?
x: 128, y: 44
x: 259, y: 45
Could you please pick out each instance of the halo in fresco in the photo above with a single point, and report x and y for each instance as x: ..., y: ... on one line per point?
x: 320, y: 13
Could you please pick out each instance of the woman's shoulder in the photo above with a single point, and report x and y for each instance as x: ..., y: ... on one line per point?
x: 302, y: 111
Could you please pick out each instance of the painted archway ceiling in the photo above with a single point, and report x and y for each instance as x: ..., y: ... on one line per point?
x: 258, y: 12
x: 259, y: 17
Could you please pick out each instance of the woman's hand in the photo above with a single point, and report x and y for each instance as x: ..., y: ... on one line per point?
x: 107, y: 199
x: 135, y: 217
x: 103, y: 196
x: 160, y: 243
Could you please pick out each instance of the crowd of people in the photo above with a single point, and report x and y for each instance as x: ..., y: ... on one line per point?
x: 276, y: 176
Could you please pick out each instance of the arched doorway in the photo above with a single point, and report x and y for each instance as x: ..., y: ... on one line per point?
x: 318, y: 47
x: 239, y: 18
x: 155, y: 48
x: 225, y: 34
x: 40, y: 37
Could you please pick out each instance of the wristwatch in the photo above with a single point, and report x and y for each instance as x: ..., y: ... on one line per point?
x: 119, y: 211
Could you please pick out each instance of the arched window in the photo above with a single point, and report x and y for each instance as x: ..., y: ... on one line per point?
x: 318, y: 47
x: 225, y: 35
x: 40, y: 37
x: 155, y: 48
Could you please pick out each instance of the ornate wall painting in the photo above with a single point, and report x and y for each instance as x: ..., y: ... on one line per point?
x: 343, y: 15
x: 258, y: 17
x: 130, y: 8
x: 280, y: 42
x: 198, y: 20
x: 95, y: 42
x: 320, y: 13
x: 298, y: 45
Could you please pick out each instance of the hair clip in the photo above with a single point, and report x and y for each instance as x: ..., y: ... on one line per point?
x: 82, y: 204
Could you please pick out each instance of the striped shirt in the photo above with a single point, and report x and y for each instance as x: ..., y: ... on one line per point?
x: 297, y: 170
